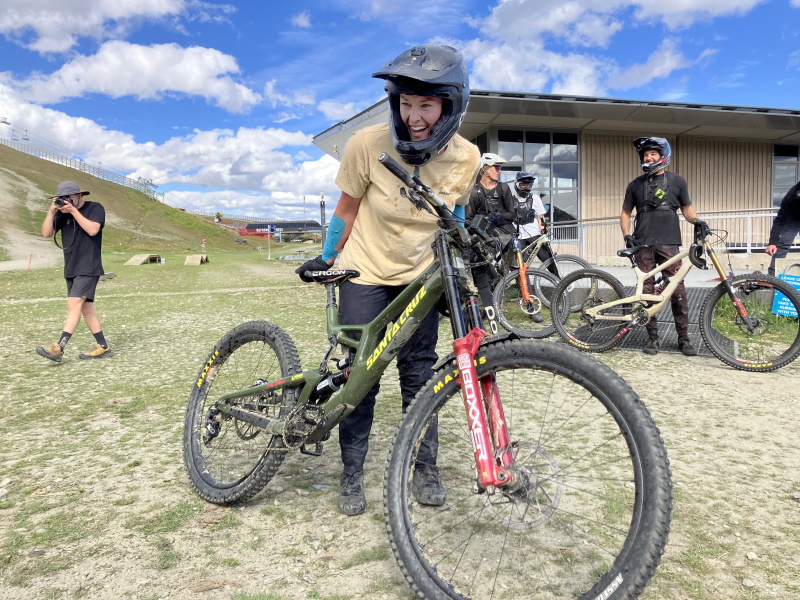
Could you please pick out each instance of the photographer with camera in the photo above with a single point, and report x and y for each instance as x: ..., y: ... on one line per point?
x: 81, y: 225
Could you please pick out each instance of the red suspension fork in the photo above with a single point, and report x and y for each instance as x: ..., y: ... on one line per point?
x: 523, y: 279
x: 485, y: 436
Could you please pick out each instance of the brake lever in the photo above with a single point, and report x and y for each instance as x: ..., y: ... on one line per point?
x: 416, y: 199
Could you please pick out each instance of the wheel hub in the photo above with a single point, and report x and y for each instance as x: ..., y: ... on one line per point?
x: 536, y: 493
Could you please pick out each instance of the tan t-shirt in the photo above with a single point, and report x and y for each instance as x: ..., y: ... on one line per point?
x: 390, y: 243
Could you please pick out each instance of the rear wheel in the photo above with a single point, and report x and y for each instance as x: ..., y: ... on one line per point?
x: 229, y: 461
x: 590, y: 515
x: 773, y: 338
x: 588, y: 326
x: 526, y: 317
x: 564, y: 264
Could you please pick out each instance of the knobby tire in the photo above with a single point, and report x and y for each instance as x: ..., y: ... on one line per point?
x: 517, y: 316
x: 585, y: 289
x: 775, y: 341
x: 238, y: 462
x: 592, y: 519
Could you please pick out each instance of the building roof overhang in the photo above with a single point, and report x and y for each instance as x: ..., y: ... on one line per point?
x: 516, y: 109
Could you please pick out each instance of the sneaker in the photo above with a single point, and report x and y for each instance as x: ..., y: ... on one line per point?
x: 54, y: 352
x: 652, y: 346
x: 351, y: 499
x: 426, y: 486
x: 685, y: 346
x: 98, y: 352
x: 537, y: 318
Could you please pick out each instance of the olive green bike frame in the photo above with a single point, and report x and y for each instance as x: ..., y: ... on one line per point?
x: 374, y: 351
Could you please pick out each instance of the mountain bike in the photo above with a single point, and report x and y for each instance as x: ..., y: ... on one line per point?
x: 514, y: 294
x: 558, y: 484
x: 737, y: 321
x: 559, y: 265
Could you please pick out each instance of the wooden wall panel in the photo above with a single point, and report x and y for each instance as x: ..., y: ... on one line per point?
x: 722, y: 175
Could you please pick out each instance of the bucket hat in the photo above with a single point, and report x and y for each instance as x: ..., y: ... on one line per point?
x: 67, y: 188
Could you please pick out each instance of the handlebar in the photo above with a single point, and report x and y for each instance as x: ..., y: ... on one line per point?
x: 398, y: 171
x: 415, y: 184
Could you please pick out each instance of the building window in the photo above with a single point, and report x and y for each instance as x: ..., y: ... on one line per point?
x: 551, y: 157
x: 785, y: 171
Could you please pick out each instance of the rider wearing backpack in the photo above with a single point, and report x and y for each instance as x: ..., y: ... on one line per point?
x: 657, y: 196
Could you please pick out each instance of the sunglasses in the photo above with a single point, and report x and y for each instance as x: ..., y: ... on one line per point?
x: 498, y: 167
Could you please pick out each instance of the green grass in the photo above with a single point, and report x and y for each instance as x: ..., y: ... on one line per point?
x: 367, y: 555
x: 93, y: 453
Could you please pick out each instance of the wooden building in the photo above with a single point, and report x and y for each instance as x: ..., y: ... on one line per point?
x: 738, y: 161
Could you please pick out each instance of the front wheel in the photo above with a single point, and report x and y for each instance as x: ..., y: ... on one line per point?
x: 768, y: 339
x: 230, y: 461
x: 590, y: 516
x: 592, y: 324
x: 528, y: 317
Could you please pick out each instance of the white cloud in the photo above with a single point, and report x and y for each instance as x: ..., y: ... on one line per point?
x: 661, y: 63
x: 57, y: 24
x: 284, y: 201
x: 594, y: 23
x: 302, y: 19
x: 337, y: 111
x: 529, y: 67
x: 275, y: 98
x: 146, y: 72
x: 259, y: 160
x: 514, y: 50
x: 683, y: 13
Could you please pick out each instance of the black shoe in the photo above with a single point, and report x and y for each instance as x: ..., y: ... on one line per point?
x: 426, y: 486
x: 351, y: 499
x: 652, y: 346
x: 685, y: 346
x: 537, y: 318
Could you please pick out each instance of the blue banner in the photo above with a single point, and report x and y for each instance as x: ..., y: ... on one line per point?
x: 781, y: 304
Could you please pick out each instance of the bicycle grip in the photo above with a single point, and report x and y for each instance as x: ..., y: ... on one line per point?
x: 398, y: 171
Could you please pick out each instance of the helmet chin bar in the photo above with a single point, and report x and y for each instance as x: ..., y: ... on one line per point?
x: 428, y: 70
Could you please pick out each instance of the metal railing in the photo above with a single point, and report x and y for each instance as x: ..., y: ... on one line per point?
x: 84, y: 167
x: 597, y: 240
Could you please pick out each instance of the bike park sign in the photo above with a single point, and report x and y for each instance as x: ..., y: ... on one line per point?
x: 781, y: 304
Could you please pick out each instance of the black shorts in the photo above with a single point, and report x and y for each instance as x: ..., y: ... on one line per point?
x: 82, y: 286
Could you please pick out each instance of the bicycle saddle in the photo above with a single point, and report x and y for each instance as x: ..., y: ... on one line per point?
x: 628, y: 252
x: 337, y: 276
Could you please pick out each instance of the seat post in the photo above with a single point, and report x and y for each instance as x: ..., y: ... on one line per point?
x: 330, y: 289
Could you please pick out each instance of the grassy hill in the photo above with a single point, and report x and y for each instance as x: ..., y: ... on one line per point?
x: 134, y: 222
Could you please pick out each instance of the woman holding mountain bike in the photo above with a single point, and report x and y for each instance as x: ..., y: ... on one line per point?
x: 388, y: 241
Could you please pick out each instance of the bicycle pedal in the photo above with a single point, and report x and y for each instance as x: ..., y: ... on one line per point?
x: 317, y: 451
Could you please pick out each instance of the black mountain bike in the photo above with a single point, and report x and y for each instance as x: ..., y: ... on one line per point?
x: 558, y: 483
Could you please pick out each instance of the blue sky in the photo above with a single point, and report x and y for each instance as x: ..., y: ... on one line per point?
x: 217, y: 103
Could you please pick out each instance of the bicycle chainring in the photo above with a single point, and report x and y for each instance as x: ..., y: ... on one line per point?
x: 640, y: 315
x: 302, y: 422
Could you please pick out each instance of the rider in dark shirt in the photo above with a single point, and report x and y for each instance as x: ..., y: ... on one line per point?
x: 785, y: 227
x: 657, y: 196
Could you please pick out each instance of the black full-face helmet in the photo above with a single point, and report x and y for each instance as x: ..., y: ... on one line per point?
x: 427, y: 70
x: 524, y: 183
x: 653, y: 143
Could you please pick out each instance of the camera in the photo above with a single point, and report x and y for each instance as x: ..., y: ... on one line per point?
x: 62, y: 200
